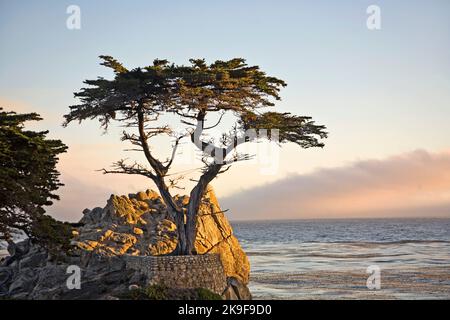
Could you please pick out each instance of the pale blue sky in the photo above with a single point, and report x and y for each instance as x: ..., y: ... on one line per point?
x: 380, y: 93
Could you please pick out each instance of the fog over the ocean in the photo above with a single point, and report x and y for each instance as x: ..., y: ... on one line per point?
x: 415, y: 184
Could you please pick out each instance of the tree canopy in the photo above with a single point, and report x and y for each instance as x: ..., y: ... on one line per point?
x: 28, y: 175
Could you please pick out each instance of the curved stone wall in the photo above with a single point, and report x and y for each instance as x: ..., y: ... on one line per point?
x: 199, y: 271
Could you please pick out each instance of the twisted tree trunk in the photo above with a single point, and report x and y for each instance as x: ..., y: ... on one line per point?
x: 195, y: 199
x: 175, y: 212
x: 177, y: 215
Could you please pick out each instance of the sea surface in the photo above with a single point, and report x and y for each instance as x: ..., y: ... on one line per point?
x: 328, y: 259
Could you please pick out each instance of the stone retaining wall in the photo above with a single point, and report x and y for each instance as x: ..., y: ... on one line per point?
x: 200, y: 271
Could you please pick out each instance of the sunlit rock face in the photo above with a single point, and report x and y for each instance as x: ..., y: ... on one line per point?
x: 136, y: 224
x: 139, y: 224
x: 215, y: 235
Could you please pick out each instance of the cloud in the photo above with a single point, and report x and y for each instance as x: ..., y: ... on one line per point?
x: 411, y: 184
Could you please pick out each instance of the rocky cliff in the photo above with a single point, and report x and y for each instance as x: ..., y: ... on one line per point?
x: 136, y: 225
x: 139, y: 224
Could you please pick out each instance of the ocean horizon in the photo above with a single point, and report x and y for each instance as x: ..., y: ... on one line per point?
x: 329, y: 258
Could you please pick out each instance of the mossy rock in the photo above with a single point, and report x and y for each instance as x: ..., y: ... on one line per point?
x: 160, y: 292
x: 205, y: 294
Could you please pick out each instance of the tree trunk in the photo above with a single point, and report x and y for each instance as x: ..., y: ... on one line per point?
x: 177, y: 215
x: 195, y: 199
x: 181, y: 233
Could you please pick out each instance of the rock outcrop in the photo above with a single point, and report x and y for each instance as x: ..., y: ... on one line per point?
x: 139, y: 224
x: 133, y: 225
x: 30, y: 273
x: 215, y: 235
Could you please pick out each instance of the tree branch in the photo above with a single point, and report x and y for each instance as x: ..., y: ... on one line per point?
x: 122, y: 168
x: 156, y: 164
x: 218, y: 121
x: 174, y: 150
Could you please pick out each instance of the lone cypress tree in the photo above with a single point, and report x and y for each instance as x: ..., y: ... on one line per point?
x: 28, y: 177
x: 138, y: 97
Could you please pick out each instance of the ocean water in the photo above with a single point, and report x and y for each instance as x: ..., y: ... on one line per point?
x: 328, y: 259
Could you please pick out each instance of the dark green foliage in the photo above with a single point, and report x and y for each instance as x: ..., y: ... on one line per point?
x: 120, y: 98
x: 160, y: 292
x: 291, y: 128
x: 163, y: 87
x: 52, y: 234
x: 205, y: 294
x: 28, y: 176
x: 225, y: 85
x: 155, y: 292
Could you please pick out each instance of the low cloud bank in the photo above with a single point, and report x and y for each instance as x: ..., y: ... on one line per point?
x: 415, y: 184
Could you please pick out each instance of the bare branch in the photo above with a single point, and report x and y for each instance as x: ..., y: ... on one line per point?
x: 174, y: 183
x: 139, y: 150
x: 218, y: 122
x: 174, y: 150
x: 155, y: 163
x: 121, y: 167
x: 188, y: 123
x: 208, y: 148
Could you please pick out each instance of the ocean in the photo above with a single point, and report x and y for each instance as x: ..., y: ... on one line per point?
x: 329, y: 259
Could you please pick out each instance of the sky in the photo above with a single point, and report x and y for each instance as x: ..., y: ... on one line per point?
x: 383, y: 95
